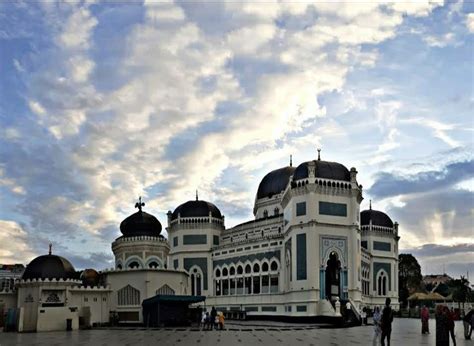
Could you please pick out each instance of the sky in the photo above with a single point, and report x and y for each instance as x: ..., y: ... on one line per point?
x: 101, y: 103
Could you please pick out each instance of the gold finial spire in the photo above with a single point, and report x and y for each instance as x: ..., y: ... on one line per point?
x: 319, y: 154
x: 291, y: 160
x: 197, y: 197
x: 139, y: 204
x: 370, y: 204
x: 50, y: 248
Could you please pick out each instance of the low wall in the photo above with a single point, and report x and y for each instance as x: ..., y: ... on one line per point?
x: 54, y: 318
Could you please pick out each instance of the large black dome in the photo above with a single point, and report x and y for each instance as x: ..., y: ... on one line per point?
x: 324, y: 169
x: 274, y: 182
x: 196, y: 208
x: 378, y: 218
x: 140, y: 224
x: 49, y: 267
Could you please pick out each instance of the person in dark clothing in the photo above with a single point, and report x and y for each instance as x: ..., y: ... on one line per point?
x: 450, y: 315
x: 213, y: 317
x: 386, y: 321
x: 442, y: 327
x: 468, y: 322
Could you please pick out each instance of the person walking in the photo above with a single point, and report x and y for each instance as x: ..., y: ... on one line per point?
x: 425, y: 318
x: 387, y: 319
x: 468, y: 322
x: 213, y: 318
x: 442, y: 328
x: 450, y: 314
x: 377, y: 330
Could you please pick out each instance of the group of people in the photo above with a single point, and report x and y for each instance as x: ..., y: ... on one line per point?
x: 212, y: 320
x: 445, y: 324
x: 382, y: 324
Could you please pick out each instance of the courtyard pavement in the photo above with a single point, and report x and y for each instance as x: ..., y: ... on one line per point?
x: 405, y: 332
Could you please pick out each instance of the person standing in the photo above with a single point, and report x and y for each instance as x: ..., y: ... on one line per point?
x: 450, y: 314
x: 213, y: 318
x: 363, y: 315
x: 442, y: 329
x: 221, y: 321
x: 387, y: 319
x: 425, y: 318
x: 377, y: 319
x: 203, y: 319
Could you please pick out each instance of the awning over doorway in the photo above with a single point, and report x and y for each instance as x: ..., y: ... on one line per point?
x: 166, y: 310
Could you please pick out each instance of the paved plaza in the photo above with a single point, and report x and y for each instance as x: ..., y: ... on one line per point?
x: 405, y: 332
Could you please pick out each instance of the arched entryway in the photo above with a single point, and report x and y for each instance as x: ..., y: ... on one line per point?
x: 333, y: 276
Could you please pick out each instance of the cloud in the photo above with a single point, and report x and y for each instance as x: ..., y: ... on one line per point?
x: 441, y: 40
x: 390, y: 185
x: 456, y: 259
x: 470, y: 22
x: 166, y: 101
x: 18, y: 249
x: 436, y: 250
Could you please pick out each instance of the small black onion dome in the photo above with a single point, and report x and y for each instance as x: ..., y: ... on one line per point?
x: 140, y: 224
x: 89, y: 277
x: 274, y: 182
x: 49, y: 267
x: 324, y: 169
x: 378, y: 218
x: 196, y: 208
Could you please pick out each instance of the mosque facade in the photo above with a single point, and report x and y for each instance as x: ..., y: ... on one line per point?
x: 308, y: 251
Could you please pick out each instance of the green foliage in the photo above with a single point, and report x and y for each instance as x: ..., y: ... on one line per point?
x: 460, y: 289
x: 409, y: 276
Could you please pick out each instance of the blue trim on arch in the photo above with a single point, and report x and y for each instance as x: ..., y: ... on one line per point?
x: 322, y: 284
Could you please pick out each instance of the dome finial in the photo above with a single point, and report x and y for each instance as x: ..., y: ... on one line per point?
x: 50, y: 248
x: 370, y: 204
x: 197, y: 197
x: 291, y: 160
x: 139, y: 204
x: 319, y: 154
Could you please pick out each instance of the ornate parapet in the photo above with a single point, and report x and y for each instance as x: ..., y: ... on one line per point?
x: 34, y: 282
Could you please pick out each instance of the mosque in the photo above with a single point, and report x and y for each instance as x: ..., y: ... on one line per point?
x: 307, y: 251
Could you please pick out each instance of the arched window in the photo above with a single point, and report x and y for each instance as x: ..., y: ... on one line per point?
x: 265, y: 213
x: 153, y: 264
x: 128, y: 295
x: 265, y: 267
x: 240, y: 270
x: 276, y: 211
x: 134, y: 264
x: 225, y: 272
x: 274, y: 266
x: 165, y: 290
x: 382, y: 283
x: 218, y: 272
x: 248, y: 269
x: 256, y: 268
x: 196, y: 281
x: 232, y: 270
x: 119, y: 266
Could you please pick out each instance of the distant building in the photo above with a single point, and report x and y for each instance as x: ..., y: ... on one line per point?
x: 436, y: 279
x: 8, y: 274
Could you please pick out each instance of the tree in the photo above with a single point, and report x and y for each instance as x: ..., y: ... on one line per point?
x: 460, y: 290
x: 409, y: 276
